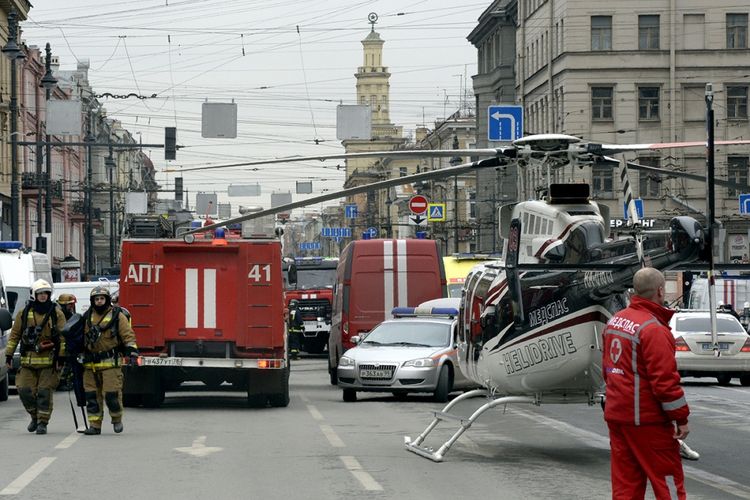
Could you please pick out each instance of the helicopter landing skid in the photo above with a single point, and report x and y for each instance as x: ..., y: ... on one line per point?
x: 437, y: 456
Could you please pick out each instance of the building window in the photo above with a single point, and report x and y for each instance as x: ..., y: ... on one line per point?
x: 694, y: 31
x: 649, y: 182
x: 737, y: 102
x: 736, y: 31
x: 648, y: 103
x: 601, y: 32
x: 648, y: 32
x: 737, y: 167
x: 601, y: 103
x: 601, y: 181
x: 402, y: 172
x: 473, y: 205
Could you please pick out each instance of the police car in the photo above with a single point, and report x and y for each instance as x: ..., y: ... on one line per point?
x: 413, y: 352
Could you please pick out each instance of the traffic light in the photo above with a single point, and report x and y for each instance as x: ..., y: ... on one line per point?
x: 170, y: 143
x: 178, y: 188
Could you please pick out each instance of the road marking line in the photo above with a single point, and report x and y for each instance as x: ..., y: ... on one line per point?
x: 714, y: 481
x: 742, y: 391
x: 29, y: 475
x: 315, y: 413
x: 68, y: 441
x: 335, y: 441
x: 363, y: 477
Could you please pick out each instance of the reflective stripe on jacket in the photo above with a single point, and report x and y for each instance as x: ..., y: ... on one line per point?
x: 643, y: 385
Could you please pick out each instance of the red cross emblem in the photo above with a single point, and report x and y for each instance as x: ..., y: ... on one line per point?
x: 615, y: 350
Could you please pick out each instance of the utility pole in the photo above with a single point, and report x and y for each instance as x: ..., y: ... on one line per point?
x: 111, y: 165
x: 48, y: 82
x: 710, y: 206
x: 87, y: 196
x: 14, y: 52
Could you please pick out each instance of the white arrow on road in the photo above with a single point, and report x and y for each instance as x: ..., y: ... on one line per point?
x: 199, y: 448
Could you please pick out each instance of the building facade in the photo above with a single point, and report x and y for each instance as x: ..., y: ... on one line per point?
x: 636, y: 72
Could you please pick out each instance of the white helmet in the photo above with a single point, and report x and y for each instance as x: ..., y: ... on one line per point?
x: 40, y: 286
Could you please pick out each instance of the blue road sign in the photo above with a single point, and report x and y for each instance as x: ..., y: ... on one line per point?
x: 336, y: 232
x: 504, y: 123
x: 638, y: 208
x: 745, y: 204
x: 309, y: 245
x: 350, y: 211
x: 371, y: 232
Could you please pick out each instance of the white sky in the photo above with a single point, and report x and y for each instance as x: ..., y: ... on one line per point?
x: 286, y: 85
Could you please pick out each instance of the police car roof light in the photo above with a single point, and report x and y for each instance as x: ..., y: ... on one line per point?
x: 401, y: 312
x: 11, y: 245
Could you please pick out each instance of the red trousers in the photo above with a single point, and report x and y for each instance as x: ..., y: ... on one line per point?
x: 641, y: 452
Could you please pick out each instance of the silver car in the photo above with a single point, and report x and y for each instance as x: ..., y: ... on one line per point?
x: 415, y: 352
x: 695, y: 355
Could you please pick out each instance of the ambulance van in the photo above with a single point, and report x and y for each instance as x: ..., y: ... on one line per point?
x: 373, y: 277
x: 458, y: 266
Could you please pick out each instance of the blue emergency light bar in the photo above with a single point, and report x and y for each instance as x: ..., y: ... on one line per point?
x: 401, y: 312
x: 11, y: 245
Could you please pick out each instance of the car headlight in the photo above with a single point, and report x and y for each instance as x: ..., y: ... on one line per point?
x: 344, y: 361
x: 420, y: 363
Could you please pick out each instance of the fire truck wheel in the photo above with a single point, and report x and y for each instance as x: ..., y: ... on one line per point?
x: 131, y: 400
x: 332, y: 374
x: 154, y: 399
x: 350, y: 395
x: 4, y: 388
x: 256, y: 400
x: 279, y: 400
x: 745, y: 380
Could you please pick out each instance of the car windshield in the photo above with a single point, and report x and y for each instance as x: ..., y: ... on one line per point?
x: 410, y: 333
x: 703, y: 325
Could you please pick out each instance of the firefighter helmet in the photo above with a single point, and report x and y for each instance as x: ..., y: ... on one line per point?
x: 101, y: 291
x: 40, y: 286
x: 66, y: 298
x: 293, y: 303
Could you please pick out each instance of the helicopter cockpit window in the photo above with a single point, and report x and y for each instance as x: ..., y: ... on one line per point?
x: 583, y: 237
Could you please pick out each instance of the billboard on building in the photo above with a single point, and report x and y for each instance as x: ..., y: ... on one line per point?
x: 278, y: 199
x: 136, y: 203
x: 304, y: 187
x: 64, y: 117
x: 225, y: 210
x: 243, y: 190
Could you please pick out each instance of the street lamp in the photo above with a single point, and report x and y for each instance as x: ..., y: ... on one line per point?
x: 110, y: 165
x: 13, y: 52
x: 48, y: 82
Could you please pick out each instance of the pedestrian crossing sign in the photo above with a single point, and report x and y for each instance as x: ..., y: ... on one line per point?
x: 436, y: 212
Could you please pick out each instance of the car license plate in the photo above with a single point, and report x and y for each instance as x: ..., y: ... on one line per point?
x: 723, y: 346
x: 375, y: 373
x: 152, y: 361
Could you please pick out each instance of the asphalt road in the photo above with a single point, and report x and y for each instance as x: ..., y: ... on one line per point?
x: 204, y: 444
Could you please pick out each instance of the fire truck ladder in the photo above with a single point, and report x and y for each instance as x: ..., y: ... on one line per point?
x: 493, y: 401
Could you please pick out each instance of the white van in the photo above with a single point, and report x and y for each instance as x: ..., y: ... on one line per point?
x: 82, y: 291
x: 19, y: 269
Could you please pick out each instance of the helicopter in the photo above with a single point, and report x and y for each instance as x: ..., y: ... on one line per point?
x: 530, y: 325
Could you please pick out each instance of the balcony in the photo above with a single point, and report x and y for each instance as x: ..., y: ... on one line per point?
x: 32, y: 182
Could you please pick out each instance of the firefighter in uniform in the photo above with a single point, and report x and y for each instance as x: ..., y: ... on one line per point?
x: 107, y: 335
x: 295, y: 327
x: 37, y: 327
x: 67, y: 302
x: 645, y: 410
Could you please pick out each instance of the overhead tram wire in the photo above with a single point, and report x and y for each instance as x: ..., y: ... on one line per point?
x: 307, y: 88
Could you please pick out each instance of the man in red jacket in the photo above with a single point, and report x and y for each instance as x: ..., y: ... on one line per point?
x: 645, y: 410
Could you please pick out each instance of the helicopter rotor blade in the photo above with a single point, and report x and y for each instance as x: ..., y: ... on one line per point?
x: 609, y: 149
x: 674, y: 173
x: 398, y: 181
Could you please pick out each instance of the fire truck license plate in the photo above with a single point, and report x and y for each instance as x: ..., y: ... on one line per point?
x: 149, y: 361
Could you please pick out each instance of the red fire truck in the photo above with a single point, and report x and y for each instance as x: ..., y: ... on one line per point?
x: 209, y: 310
x: 314, y: 294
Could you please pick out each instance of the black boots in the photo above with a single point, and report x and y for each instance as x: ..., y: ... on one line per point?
x: 32, y: 425
x: 41, y: 428
x: 92, y: 431
x: 118, y: 427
